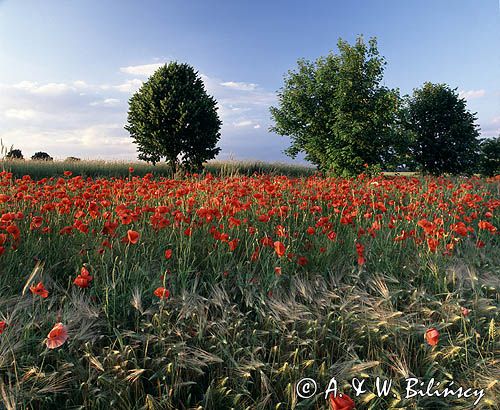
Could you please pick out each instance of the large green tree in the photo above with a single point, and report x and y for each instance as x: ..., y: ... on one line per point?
x: 444, y: 133
x: 337, y: 111
x: 172, y: 117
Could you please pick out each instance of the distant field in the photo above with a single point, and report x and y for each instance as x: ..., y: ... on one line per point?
x: 97, y: 168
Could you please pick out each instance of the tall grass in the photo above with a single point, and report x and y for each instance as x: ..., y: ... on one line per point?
x: 120, y: 169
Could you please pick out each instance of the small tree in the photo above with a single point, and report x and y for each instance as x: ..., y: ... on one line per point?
x: 41, y: 156
x: 173, y: 117
x: 337, y: 111
x: 444, y: 133
x: 489, y: 161
x: 14, y: 154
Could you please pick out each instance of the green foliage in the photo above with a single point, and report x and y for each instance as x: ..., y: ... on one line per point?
x: 14, y: 154
x: 443, y: 132
x: 337, y: 112
x: 41, y: 156
x: 173, y: 117
x: 489, y: 161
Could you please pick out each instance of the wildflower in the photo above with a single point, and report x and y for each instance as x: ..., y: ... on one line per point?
x: 83, y: 279
x: 168, y: 253
x: 464, y: 311
x: 480, y: 244
x: 341, y: 402
x: 131, y: 170
x: 279, y: 248
x: 302, y: 261
x: 36, y: 222
x: 67, y: 173
x: 3, y: 325
x: 432, y: 336
x: 39, y: 290
x: 433, y: 244
x: 233, y: 244
x: 487, y: 226
x: 277, y: 270
x: 132, y: 237
x: 57, y: 336
x: 162, y: 293
x: 360, y: 249
x: 310, y: 230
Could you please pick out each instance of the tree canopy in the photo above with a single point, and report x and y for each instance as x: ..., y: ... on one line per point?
x: 337, y: 112
x: 444, y: 133
x: 172, y: 117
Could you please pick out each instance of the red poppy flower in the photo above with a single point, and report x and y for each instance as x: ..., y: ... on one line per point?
x: 277, y: 270
x: 83, y: 279
x: 279, y: 248
x: 465, y: 311
x: 341, y: 402
x: 162, y: 293
x: 310, y: 230
x: 487, y: 226
x: 432, y: 336
x: 168, y: 253
x: 36, y: 222
x: 39, y: 290
x: 57, y: 336
x: 233, y: 244
x: 67, y: 173
x: 433, y: 244
x: 302, y: 261
x: 2, y: 326
x: 360, y: 251
x: 131, y: 170
x: 132, y: 237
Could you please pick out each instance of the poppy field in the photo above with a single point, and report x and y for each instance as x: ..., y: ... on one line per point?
x: 220, y: 292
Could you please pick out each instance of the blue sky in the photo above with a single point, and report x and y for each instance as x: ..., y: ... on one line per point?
x: 68, y: 68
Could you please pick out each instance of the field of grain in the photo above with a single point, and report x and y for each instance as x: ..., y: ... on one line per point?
x: 223, y: 291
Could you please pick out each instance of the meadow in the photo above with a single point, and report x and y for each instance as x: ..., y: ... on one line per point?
x: 126, y: 289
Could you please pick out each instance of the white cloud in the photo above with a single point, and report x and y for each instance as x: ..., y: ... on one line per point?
x: 20, y: 114
x: 144, y: 69
x: 44, y: 89
x: 80, y: 84
x: 471, y: 94
x: 106, y: 102
x: 128, y: 86
x: 243, y: 123
x: 95, y: 141
x: 240, y: 86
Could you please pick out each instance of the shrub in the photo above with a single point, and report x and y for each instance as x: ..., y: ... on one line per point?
x: 14, y: 154
x: 41, y: 156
